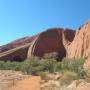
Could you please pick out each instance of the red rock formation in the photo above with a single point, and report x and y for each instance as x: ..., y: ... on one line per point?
x: 16, y: 54
x: 68, y: 36
x: 17, y: 43
x: 52, y: 40
x: 80, y: 47
x: 16, y: 50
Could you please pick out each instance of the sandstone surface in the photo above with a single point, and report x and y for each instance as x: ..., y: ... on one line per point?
x: 80, y: 47
x: 52, y: 40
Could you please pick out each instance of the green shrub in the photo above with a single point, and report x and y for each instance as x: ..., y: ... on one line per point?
x: 74, y: 65
x: 32, y: 66
x: 36, y: 70
x: 43, y: 75
x: 36, y: 65
x: 10, y: 65
x: 49, y: 65
x: 2, y: 65
x: 68, y: 77
x: 26, y: 67
x: 71, y: 74
x: 58, y: 65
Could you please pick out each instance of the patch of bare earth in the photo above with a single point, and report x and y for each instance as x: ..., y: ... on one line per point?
x: 32, y: 83
x: 9, y: 77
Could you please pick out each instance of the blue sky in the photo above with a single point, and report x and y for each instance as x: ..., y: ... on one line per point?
x: 20, y: 18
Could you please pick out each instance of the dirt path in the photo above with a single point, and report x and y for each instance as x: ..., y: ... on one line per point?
x: 32, y: 83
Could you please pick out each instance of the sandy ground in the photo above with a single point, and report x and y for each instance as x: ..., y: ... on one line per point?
x: 8, y: 76
x: 32, y: 83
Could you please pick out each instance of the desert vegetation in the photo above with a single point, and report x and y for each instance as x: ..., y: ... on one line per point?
x: 49, y: 67
x: 45, y: 64
x: 36, y: 66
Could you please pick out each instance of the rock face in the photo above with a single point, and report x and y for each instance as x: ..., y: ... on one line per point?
x: 83, y: 85
x: 52, y: 40
x: 16, y: 54
x: 17, y: 43
x: 80, y: 47
x: 16, y: 50
x: 68, y: 36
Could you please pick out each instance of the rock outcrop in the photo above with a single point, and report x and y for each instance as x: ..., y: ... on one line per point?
x: 80, y: 47
x: 52, y: 40
x: 68, y: 36
x: 16, y: 54
x: 16, y: 50
x: 17, y: 43
x: 82, y: 85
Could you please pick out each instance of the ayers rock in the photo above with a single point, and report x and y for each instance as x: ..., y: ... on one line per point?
x: 66, y: 42
x: 51, y: 40
x: 16, y: 50
x: 80, y: 47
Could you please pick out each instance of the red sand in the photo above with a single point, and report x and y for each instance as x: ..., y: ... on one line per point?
x: 32, y: 83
